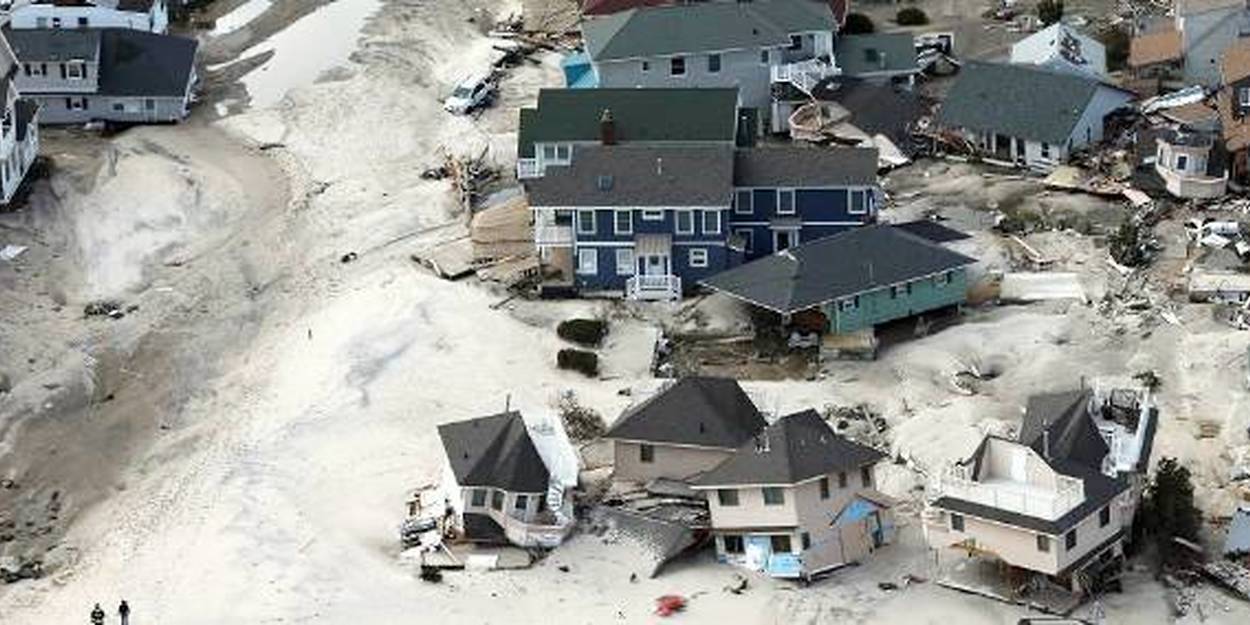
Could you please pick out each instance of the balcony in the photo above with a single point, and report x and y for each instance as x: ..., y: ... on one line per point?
x: 804, y: 75
x: 662, y: 287
x: 527, y: 168
x: 1019, y: 497
x: 553, y: 235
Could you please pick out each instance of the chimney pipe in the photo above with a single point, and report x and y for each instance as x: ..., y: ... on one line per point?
x: 607, y: 128
x: 1046, y: 441
x: 659, y: 166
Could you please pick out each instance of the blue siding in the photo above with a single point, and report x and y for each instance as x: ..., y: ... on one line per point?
x: 605, y: 240
x: 818, y: 212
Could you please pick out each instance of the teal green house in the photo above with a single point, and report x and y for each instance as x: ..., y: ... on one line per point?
x: 857, y: 279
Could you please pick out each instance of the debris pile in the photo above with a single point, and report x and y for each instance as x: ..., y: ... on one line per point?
x: 860, y: 423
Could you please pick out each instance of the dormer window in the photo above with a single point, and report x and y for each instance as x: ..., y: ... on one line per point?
x: 1243, y: 97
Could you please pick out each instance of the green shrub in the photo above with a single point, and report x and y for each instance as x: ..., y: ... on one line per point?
x: 587, y: 363
x: 583, y: 331
x: 911, y: 16
x: 858, y: 24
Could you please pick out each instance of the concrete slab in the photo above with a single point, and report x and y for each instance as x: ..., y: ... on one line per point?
x: 1037, y: 287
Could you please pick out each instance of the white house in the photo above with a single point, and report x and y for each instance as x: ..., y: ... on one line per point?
x: 148, y: 15
x: 1027, y: 115
x: 19, y: 128
x: 1061, y: 47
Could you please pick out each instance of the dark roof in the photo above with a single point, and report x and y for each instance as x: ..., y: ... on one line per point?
x: 637, y: 176
x: 607, y: 7
x: 26, y: 110
x: 858, y: 55
x: 702, y: 27
x: 639, y: 115
x: 58, y: 44
x: 494, y: 451
x: 851, y: 262
x: 700, y: 411
x: 1073, y: 436
x: 1025, y: 101
x: 796, y: 448
x: 805, y: 166
x: 931, y: 230
x: 139, y: 63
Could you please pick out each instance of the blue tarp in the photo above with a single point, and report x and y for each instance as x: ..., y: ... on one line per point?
x: 578, y: 73
x: 785, y: 565
x: 856, y: 511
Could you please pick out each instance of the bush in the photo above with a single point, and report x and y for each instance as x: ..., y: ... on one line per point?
x: 581, y: 423
x: 911, y: 16
x: 1168, y: 510
x: 583, y: 331
x: 1049, y: 11
x: 587, y: 363
x: 858, y: 24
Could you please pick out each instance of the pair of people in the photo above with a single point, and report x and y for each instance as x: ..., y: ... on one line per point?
x: 123, y: 611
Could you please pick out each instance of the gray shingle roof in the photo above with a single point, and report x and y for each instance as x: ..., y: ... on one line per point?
x: 1073, y: 437
x: 640, y: 115
x: 702, y: 27
x: 139, y: 63
x: 796, y: 448
x: 932, y: 231
x: 1023, y: 101
x: 60, y: 44
x: 706, y: 412
x: 494, y: 451
x: 881, y: 52
x: 805, y: 166
x: 845, y: 264
x: 637, y: 176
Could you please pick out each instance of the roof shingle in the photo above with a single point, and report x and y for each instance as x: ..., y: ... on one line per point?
x: 494, y: 451
x: 696, y: 411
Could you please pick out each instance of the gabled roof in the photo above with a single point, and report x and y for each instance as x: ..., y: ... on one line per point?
x: 140, y: 63
x: 57, y: 44
x: 696, y: 411
x: 1023, y: 101
x: 858, y: 55
x: 842, y: 265
x: 797, y: 165
x: 1059, y: 428
x: 637, y: 176
x: 494, y: 451
x: 1065, y: 48
x: 640, y: 115
x: 702, y: 27
x: 796, y: 448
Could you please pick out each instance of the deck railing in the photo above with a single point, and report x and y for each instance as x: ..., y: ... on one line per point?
x: 528, y: 168
x: 664, y: 287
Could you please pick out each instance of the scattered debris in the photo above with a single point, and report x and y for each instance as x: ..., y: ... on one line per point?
x: 349, y: 257
x: 580, y: 422
x: 104, y: 308
x: 11, y: 252
x: 1036, y: 287
x: 1231, y: 576
x: 668, y: 605
x: 860, y: 423
x: 737, y: 585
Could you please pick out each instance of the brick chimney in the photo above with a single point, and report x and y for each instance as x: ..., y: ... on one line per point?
x: 607, y: 128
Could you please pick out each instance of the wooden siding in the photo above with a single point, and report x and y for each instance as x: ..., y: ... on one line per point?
x: 876, y: 307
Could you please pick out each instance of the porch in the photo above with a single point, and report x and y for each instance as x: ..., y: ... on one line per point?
x: 804, y: 75
x: 653, y: 277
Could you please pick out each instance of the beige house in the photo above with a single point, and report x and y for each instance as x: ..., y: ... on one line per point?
x: 797, y: 500
x: 686, y: 429
x: 1057, y: 502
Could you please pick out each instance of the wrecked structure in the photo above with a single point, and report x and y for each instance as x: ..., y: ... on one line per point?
x: 1059, y: 500
x: 1062, y: 48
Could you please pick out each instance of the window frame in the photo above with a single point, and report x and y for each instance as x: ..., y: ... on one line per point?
x: 497, y: 500
x: 841, y: 479
x: 594, y: 222
x: 713, y: 63
x: 1043, y: 543
x: 591, y: 268
x: 1070, y: 540
x: 805, y: 541
x: 778, y: 500
x: 697, y: 257
x: 793, y: 204
x: 629, y: 267
x: 865, y: 476
x: 738, y: 547
x: 477, y: 498
x: 616, y: 221
x: 1104, y: 516
x: 1182, y: 162
x: 646, y: 66
x: 521, y: 503
x: 850, y: 202
x: 749, y: 194
x: 653, y: 214
x: 780, y: 543
x: 646, y: 453
x: 957, y: 522
x: 766, y: 56
x: 675, y: 62
x: 1243, y: 96
x: 677, y: 218
x: 824, y: 487
x: 728, y: 497
x: 706, y: 215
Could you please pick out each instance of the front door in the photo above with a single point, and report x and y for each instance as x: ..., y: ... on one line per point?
x: 783, y: 239
x: 653, y: 265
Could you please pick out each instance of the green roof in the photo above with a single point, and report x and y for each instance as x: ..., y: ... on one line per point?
x: 640, y: 115
x: 865, y: 54
x: 703, y: 27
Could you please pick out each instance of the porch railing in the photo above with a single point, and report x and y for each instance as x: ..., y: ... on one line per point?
x: 548, y: 235
x: 665, y: 287
x: 528, y: 168
x: 804, y: 75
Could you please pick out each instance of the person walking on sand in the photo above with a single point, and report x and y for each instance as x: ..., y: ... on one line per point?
x: 123, y: 611
x: 97, y: 615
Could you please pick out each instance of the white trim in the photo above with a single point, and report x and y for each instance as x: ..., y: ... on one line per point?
x: 594, y: 221
x: 629, y: 265
x: 738, y: 206
x: 605, y: 244
x: 586, y: 207
x: 694, y: 252
x: 685, y: 71
x: 593, y: 267
x: 616, y: 223
x: 794, y: 205
x: 791, y: 233
x: 677, y: 214
x: 850, y: 202
x: 766, y: 224
x: 719, y: 225
x: 666, y: 444
x: 749, y: 246
x: 650, y: 214
x: 822, y: 303
x: 720, y: 61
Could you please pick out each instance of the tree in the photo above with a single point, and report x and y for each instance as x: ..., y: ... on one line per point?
x: 1049, y: 11
x: 1168, y: 510
x: 858, y: 24
x: 911, y: 16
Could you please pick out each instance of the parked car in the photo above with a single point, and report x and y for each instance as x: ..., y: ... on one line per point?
x: 472, y: 93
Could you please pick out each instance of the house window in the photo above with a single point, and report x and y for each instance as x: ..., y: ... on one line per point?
x: 796, y: 42
x: 780, y: 543
x: 842, y: 480
x: 41, y: 22
x: 625, y: 262
x: 586, y: 222
x: 56, y: 22
x: 646, y: 66
x: 824, y: 488
x: 748, y: 239
x: 785, y: 202
x: 943, y: 278
x: 677, y: 66
x: 496, y: 499
x: 522, y: 503
x: 957, y: 522
x: 685, y: 222
x: 894, y: 292
x: 1045, y: 150
x: 865, y: 476
x: 549, y: 152
x: 74, y: 71
x: 1182, y: 162
x: 623, y: 222
x: 698, y: 257
x: 805, y: 539
x: 563, y: 153
x: 149, y: 104
x: 847, y: 304
x: 743, y: 204
x: 711, y: 222
x: 82, y: 22
x: 713, y: 63
x: 1104, y: 516
x: 588, y: 261
x: 773, y: 496
x: 859, y: 203
x: 1069, y: 540
x: 646, y: 453
x: 764, y: 56
x: 727, y: 496
x: 1243, y: 96
x: 733, y: 544
x: 478, y: 498
x: 1043, y: 543
x: 119, y: 107
x: 651, y: 214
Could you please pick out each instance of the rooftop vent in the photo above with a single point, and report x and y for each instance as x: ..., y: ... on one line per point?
x: 604, y: 183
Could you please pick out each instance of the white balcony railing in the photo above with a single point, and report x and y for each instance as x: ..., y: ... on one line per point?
x: 653, y: 287
x: 804, y: 75
x: 528, y: 168
x: 1024, y: 499
x: 551, y: 235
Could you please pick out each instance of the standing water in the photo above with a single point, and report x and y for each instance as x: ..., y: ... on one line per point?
x: 313, y: 44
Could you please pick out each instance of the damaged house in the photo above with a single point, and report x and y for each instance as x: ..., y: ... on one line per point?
x: 1061, y: 47
x: 879, y: 58
x: 147, y: 15
x: 1057, y: 502
x: 1024, y: 115
x: 1207, y: 29
x: 19, y: 131
x: 797, y: 500
x: 1233, y: 103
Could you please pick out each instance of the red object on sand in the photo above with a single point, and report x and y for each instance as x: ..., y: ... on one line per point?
x: 668, y: 604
